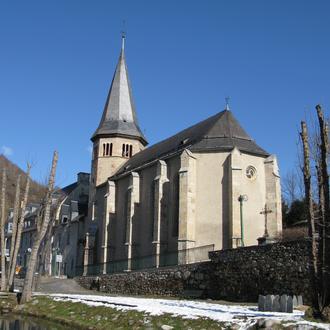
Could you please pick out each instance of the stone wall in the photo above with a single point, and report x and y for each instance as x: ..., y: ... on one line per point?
x: 182, y: 280
x: 280, y: 268
x: 235, y: 274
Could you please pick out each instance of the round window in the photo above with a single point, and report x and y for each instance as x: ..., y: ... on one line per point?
x: 251, y: 172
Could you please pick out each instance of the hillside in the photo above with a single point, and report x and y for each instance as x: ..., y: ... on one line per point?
x: 37, y: 191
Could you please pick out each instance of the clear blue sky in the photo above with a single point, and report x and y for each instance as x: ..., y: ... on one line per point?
x: 57, y: 59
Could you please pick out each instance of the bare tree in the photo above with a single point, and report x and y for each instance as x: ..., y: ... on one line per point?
x: 310, y: 213
x: 318, y: 215
x: 324, y: 208
x: 42, y: 225
x: 2, y: 234
x: 14, y: 227
x: 17, y: 243
x: 290, y: 186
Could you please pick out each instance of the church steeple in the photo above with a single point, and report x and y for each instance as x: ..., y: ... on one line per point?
x: 119, y: 116
x: 118, y: 136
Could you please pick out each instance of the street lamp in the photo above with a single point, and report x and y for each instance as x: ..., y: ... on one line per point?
x: 241, y: 199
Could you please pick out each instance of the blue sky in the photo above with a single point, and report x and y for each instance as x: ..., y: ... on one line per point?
x: 57, y: 59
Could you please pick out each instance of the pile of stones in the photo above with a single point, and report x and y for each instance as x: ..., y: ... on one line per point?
x: 276, y: 303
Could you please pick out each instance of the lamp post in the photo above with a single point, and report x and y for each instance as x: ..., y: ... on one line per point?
x: 241, y: 199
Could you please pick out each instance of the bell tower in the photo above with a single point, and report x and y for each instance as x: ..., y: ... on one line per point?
x: 118, y: 136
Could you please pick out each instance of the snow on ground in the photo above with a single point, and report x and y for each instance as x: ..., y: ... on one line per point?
x: 238, y: 314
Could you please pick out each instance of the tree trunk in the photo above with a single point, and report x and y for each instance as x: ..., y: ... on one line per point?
x: 2, y: 233
x: 27, y: 289
x: 20, y: 226
x: 325, y: 261
x: 321, y: 231
x: 14, y: 229
x: 310, y: 215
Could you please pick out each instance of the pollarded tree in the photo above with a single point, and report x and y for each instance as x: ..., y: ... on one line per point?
x: 42, y: 225
x: 319, y: 222
x: 17, y: 231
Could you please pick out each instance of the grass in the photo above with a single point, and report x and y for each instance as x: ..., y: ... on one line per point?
x: 82, y: 316
x: 75, y: 315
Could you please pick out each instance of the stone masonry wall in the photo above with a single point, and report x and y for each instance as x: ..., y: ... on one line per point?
x: 237, y: 274
x: 171, y: 281
x: 244, y: 273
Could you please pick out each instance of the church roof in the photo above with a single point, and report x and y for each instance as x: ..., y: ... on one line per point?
x: 221, y: 132
x: 119, y: 116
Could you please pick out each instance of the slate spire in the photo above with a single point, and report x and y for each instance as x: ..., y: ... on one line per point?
x: 119, y: 116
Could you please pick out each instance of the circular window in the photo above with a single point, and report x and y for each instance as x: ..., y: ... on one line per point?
x: 251, y: 172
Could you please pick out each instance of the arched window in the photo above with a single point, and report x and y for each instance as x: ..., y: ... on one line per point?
x: 107, y: 149
x: 127, y: 150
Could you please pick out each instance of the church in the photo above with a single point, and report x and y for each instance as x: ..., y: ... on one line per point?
x: 207, y: 187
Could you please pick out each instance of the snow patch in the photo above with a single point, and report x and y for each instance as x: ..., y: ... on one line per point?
x: 242, y: 315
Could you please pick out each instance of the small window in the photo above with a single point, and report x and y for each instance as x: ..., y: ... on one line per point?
x: 123, y: 151
x: 110, y: 153
x: 130, y: 150
x: 94, y: 211
x: 64, y: 219
x: 251, y: 172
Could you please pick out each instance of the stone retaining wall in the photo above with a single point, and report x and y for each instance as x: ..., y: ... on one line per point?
x: 280, y: 268
x: 236, y: 274
x: 171, y: 281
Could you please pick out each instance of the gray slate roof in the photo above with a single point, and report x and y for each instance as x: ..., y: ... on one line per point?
x: 119, y: 116
x: 221, y: 132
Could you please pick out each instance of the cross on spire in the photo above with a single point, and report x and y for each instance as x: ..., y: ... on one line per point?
x: 123, y: 36
x: 227, y: 103
x: 265, y: 212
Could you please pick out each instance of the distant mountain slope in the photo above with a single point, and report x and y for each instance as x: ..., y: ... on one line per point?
x: 37, y: 191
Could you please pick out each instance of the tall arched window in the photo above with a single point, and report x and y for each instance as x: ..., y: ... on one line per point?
x: 107, y: 149
x: 127, y: 150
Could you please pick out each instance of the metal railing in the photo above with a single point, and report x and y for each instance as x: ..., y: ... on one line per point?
x: 180, y: 257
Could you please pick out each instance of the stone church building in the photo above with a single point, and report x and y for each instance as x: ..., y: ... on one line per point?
x: 207, y: 186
